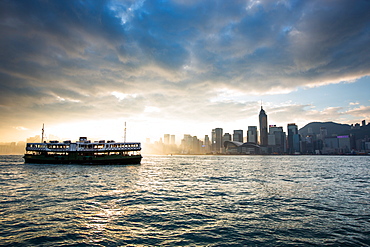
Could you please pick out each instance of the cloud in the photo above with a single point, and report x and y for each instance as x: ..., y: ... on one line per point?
x: 361, y: 112
x: 21, y: 128
x: 83, y: 59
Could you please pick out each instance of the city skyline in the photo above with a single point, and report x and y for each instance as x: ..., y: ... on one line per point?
x: 262, y: 140
x: 314, y: 138
x: 86, y: 68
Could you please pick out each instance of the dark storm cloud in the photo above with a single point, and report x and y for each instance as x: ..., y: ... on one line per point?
x: 70, y: 55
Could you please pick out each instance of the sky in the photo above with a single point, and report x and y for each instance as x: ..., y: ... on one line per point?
x: 84, y: 68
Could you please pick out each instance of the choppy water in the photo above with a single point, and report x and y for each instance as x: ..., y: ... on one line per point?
x: 188, y: 201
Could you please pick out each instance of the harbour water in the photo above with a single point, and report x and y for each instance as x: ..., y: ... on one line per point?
x: 188, y: 201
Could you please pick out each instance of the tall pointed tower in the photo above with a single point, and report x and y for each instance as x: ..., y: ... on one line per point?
x: 263, y: 128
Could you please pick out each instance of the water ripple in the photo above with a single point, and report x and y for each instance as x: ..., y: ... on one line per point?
x: 188, y: 201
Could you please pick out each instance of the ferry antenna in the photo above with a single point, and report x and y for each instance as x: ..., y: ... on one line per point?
x: 124, y: 137
x: 42, y: 134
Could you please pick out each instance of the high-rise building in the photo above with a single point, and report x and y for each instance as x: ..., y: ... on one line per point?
x: 238, y: 136
x: 217, y: 143
x: 187, y: 144
x: 297, y: 143
x: 166, y: 139
x: 173, y: 141
x: 213, y: 140
x: 323, y: 133
x: 277, y: 139
x: 252, y: 134
x: 207, y: 145
x: 196, y: 145
x: 263, y: 128
x: 271, y: 139
x: 292, y: 138
x: 226, y: 137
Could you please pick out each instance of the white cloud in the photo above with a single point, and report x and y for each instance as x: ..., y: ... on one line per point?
x: 361, y: 112
x: 21, y: 128
x: 196, y: 61
x: 122, y: 96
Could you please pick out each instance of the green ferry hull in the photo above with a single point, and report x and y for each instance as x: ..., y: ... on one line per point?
x: 88, y: 160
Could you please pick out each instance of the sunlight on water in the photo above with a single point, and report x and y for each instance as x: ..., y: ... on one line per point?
x: 188, y: 200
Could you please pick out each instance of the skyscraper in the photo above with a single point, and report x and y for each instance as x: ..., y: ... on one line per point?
x: 277, y: 139
x: 323, y: 133
x: 263, y: 128
x: 252, y: 134
x: 173, y: 142
x: 213, y: 140
x: 207, y: 145
x: 217, y: 140
x: 292, y: 131
x: 166, y: 139
x: 238, y: 136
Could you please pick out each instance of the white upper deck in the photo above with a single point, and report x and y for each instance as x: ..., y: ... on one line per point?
x: 84, y: 145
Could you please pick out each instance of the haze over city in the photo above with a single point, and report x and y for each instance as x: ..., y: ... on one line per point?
x: 84, y: 68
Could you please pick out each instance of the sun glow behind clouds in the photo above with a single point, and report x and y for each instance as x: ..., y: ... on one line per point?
x: 150, y: 109
x: 94, y: 129
x: 138, y: 129
x: 165, y: 65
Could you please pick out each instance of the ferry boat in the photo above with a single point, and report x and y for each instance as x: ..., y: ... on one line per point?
x: 83, y: 152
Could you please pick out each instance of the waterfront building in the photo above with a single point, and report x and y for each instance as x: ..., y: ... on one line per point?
x: 296, y: 143
x: 271, y: 140
x: 323, y: 133
x: 292, y: 131
x: 252, y: 134
x: 263, y: 128
x: 238, y: 136
x: 166, y: 139
x: 276, y: 139
x: 197, y: 144
x: 233, y: 147
x: 273, y: 135
x: 213, y: 140
x: 217, y: 144
x: 187, y: 144
x: 337, y: 145
x: 191, y: 145
x: 310, y: 143
x: 226, y: 137
x: 207, y: 145
x: 173, y: 141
